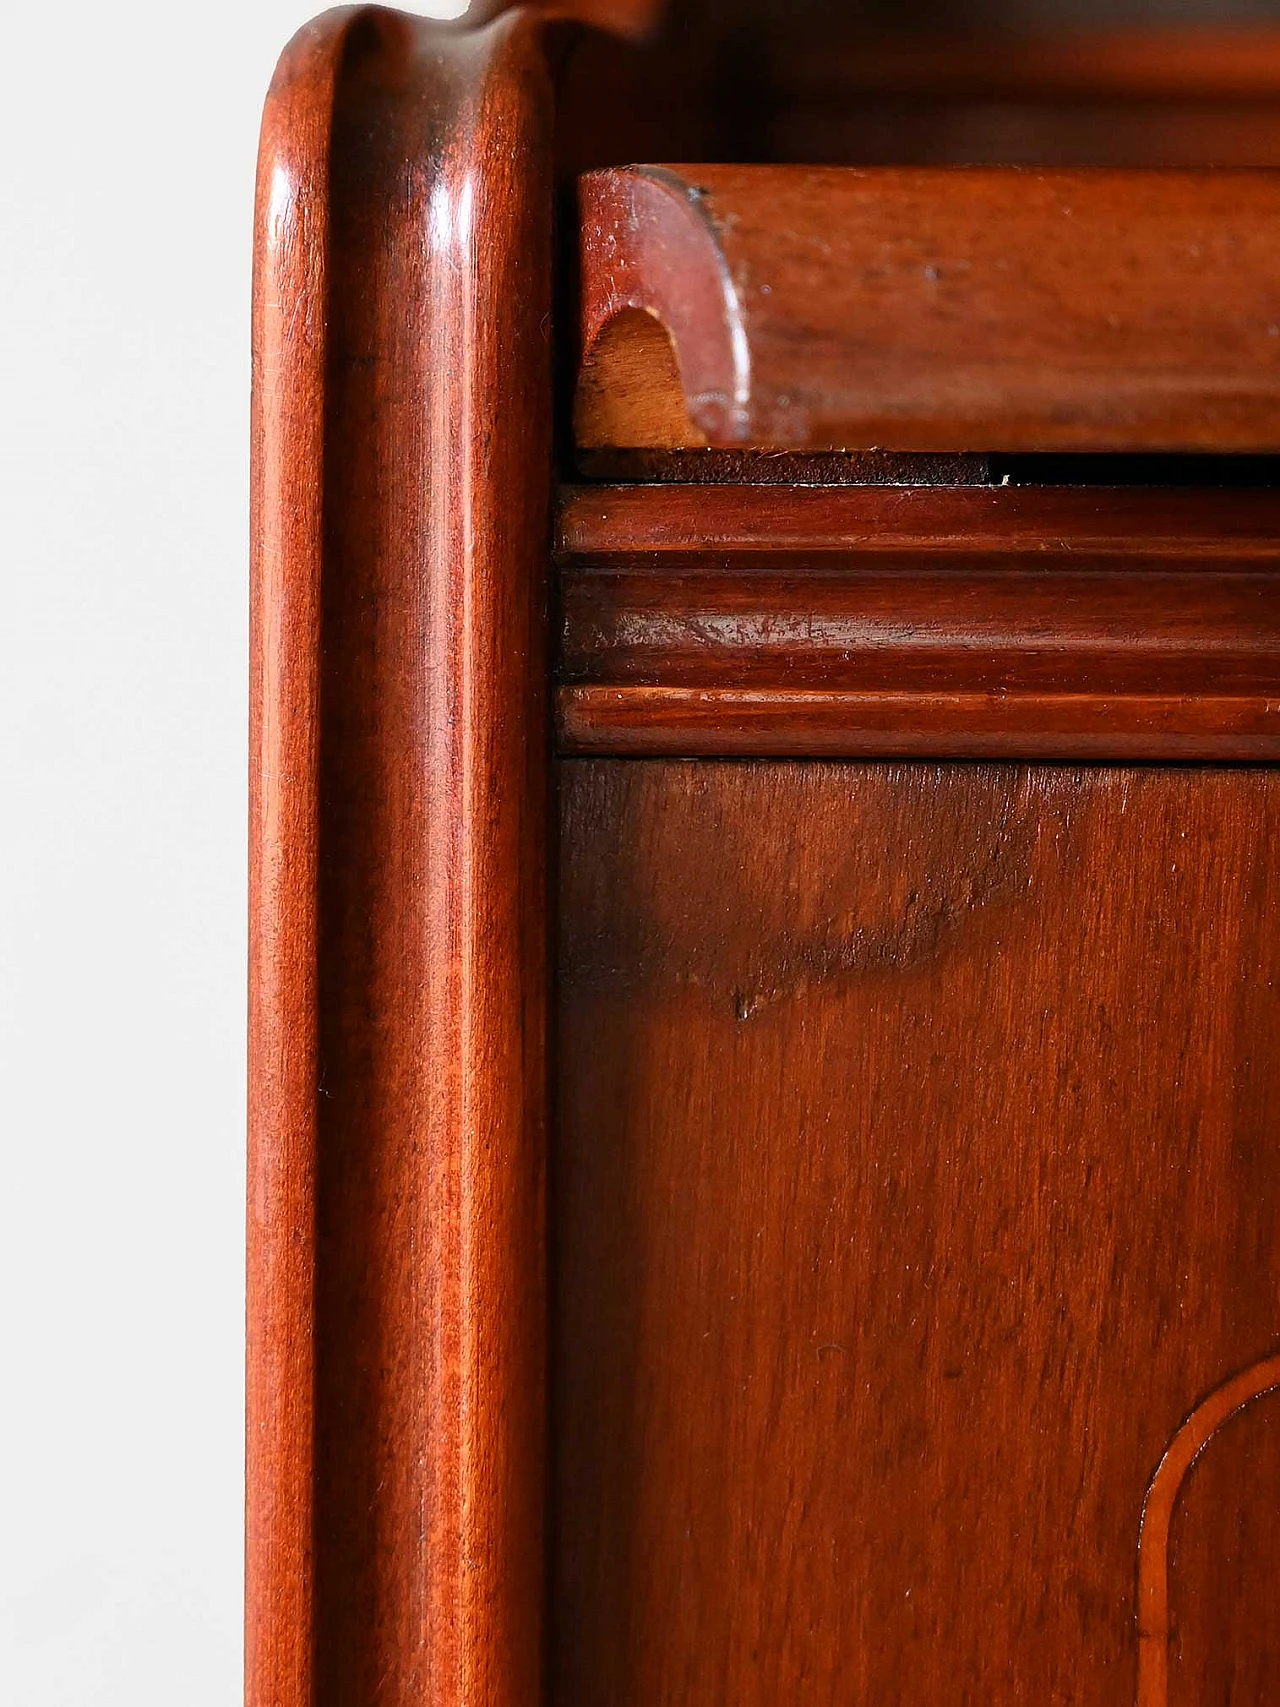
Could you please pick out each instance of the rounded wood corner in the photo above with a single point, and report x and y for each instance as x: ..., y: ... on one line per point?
x: 665, y: 360
x: 1196, y: 1433
x: 399, y: 731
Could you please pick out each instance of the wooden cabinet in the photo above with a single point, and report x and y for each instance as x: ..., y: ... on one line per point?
x: 766, y: 954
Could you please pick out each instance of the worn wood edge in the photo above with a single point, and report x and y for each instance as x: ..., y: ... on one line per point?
x: 456, y: 1524
x: 671, y: 722
x: 688, y: 384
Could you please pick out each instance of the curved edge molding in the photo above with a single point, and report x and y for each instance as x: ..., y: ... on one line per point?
x: 1157, y: 1517
x: 656, y: 252
x: 398, y: 962
x: 937, y: 309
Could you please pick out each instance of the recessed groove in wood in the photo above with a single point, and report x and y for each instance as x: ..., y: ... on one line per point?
x: 783, y: 468
x: 1009, y: 622
x: 785, y: 723
x: 916, y: 1178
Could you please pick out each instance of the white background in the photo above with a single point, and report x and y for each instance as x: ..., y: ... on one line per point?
x: 127, y: 136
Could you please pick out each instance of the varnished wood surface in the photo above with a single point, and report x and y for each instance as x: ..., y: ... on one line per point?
x: 1216, y: 66
x: 829, y: 84
x: 1219, y: 1652
x: 396, y: 1308
x: 1204, y: 1635
x: 1056, y: 621
x: 971, y: 310
x: 1153, y: 96
x: 599, y: 525
x: 915, y: 1180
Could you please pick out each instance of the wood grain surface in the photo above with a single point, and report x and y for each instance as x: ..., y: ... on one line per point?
x: 1076, y: 622
x: 1156, y: 95
x: 1208, y: 1640
x: 964, y: 310
x: 1220, y: 1652
x: 915, y: 1178
x: 396, y: 1305
x: 812, y: 82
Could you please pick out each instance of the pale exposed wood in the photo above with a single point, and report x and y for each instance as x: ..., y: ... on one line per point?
x: 629, y: 388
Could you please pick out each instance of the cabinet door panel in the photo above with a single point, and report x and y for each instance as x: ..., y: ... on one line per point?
x: 915, y: 1179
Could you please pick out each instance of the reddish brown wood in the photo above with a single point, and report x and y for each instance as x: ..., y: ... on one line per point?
x: 889, y: 723
x: 1149, y: 97
x: 1058, y: 621
x: 397, y: 1094
x: 915, y: 310
x: 631, y: 18
x: 662, y: 523
x: 1219, y: 1667
x: 1211, y: 65
x: 915, y: 1180
x: 782, y: 468
x: 1219, y: 1652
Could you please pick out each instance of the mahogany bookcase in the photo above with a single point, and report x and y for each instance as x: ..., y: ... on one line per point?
x: 765, y: 961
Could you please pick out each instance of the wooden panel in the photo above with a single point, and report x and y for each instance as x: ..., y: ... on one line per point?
x: 915, y: 1178
x: 1058, y: 621
x: 813, y: 83
x: 1226, y: 1535
x: 967, y: 310
x: 1217, y: 66
x: 396, y: 1301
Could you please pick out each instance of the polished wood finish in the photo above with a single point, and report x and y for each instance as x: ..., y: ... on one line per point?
x: 1214, y: 66
x: 1217, y: 1652
x: 1073, y: 622
x: 818, y: 83
x: 1156, y: 1630
x: 783, y: 468
x: 913, y: 1190
x: 917, y: 310
x: 402, y: 403
x: 1163, y: 97
x: 915, y: 1180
